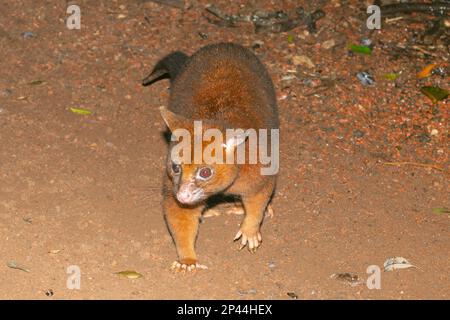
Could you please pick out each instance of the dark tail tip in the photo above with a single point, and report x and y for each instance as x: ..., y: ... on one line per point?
x: 169, y: 67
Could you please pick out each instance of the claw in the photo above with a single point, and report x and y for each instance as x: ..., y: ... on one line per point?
x: 178, y: 267
x: 252, y: 243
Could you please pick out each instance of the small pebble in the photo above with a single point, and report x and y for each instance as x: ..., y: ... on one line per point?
x: 358, y: 133
x: 272, y: 265
x: 366, y: 42
x: 424, y: 138
x: 28, y: 35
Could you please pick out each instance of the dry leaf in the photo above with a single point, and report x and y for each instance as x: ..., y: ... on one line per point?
x: 396, y: 263
x: 129, y: 274
x: 14, y: 265
x: 303, y: 60
x: 426, y: 72
x: 351, y: 279
x: 81, y: 111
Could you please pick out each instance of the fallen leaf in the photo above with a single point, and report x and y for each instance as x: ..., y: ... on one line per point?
x: 28, y: 220
x: 37, y: 82
x: 359, y: 49
x: 293, y: 295
x: 328, y: 44
x: 14, y: 265
x: 435, y: 93
x: 441, y: 210
x: 396, y: 263
x: 351, y: 279
x: 303, y: 60
x: 391, y: 76
x: 426, y: 72
x: 129, y: 274
x: 81, y: 111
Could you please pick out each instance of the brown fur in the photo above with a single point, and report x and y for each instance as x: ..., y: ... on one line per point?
x: 225, y: 86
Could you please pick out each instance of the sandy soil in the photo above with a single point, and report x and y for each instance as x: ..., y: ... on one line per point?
x: 85, y: 190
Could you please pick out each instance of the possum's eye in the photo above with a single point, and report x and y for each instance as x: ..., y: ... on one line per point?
x: 176, y: 168
x: 204, y: 173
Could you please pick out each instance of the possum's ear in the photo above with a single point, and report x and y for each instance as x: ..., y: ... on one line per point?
x: 174, y: 121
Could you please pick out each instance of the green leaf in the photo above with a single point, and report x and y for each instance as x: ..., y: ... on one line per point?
x: 435, y: 93
x: 359, y: 49
x: 441, y: 210
x: 129, y: 274
x: 36, y: 82
x: 14, y: 265
x: 391, y: 76
x: 290, y: 38
x: 81, y: 111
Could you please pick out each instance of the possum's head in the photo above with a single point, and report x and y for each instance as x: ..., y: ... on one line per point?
x: 197, y: 162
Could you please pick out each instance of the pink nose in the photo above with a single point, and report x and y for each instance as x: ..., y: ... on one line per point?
x: 185, y: 193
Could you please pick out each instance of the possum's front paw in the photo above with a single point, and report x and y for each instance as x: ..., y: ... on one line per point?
x: 250, y: 238
x: 187, y: 265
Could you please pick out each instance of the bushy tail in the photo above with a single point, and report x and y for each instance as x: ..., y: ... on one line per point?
x: 169, y: 67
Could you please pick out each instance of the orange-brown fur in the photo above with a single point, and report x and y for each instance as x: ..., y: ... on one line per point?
x: 225, y: 86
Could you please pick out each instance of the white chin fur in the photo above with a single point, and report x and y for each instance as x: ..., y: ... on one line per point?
x: 190, y: 197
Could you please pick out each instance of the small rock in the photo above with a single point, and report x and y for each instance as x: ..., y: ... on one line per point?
x: 366, y: 42
x: 272, y: 265
x: 434, y: 132
x: 28, y: 35
x: 424, y: 138
x: 358, y: 133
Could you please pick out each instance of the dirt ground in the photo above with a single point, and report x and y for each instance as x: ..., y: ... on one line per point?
x: 85, y: 190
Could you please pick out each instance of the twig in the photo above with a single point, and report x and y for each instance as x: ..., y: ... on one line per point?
x: 417, y: 164
x: 438, y: 8
x: 171, y: 3
x: 276, y: 21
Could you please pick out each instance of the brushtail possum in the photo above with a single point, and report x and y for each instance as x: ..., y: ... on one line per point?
x: 225, y: 86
